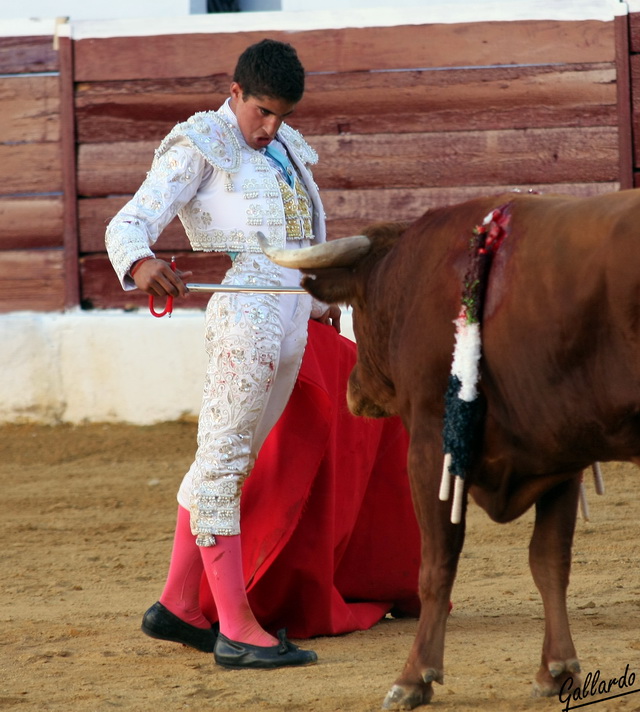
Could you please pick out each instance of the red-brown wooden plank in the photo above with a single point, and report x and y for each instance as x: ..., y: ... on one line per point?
x: 350, y: 211
x: 404, y: 160
x: 113, y: 169
x: 32, y: 280
x: 143, y: 109
x: 369, y: 102
x: 459, y: 99
x: 353, y: 49
x: 29, y: 109
x: 464, y: 158
x: 30, y: 168
x: 22, y: 55
x: 30, y: 222
x: 95, y: 214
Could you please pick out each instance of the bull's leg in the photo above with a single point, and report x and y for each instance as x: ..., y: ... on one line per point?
x: 441, y: 546
x: 550, y: 561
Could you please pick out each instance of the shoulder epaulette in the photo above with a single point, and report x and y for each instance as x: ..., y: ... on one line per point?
x: 211, y: 136
x: 296, y: 143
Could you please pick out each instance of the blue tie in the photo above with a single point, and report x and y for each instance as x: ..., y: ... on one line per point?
x: 283, y: 164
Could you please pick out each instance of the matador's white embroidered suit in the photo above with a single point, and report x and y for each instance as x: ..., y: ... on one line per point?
x: 224, y: 192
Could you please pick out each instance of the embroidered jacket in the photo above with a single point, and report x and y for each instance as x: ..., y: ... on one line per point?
x: 223, y: 191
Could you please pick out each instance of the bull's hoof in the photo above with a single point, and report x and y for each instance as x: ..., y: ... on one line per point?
x: 544, y: 689
x: 406, y: 697
x: 550, y: 681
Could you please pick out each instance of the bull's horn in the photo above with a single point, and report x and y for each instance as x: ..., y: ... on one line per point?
x: 342, y: 252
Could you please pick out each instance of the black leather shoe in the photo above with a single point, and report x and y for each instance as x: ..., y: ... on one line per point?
x: 158, y: 622
x: 230, y: 654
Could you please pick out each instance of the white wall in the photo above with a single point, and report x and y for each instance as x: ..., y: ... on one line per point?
x: 475, y: 10
x: 103, y: 366
x: 450, y: 10
x: 131, y: 17
x: 88, y: 10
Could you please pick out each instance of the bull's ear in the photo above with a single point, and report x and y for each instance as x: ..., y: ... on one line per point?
x: 343, y: 252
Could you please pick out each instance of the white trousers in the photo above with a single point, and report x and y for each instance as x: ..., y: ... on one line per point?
x: 255, y: 344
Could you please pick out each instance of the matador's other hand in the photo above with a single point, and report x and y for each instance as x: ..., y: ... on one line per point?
x: 155, y: 277
x: 331, y: 317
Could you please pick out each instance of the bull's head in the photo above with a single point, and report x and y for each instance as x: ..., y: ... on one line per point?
x: 338, y: 269
x: 330, y: 264
x: 338, y: 272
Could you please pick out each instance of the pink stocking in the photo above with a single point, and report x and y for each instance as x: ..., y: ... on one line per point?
x: 182, y: 590
x: 223, y: 566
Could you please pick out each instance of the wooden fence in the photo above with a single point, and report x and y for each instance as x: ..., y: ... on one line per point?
x: 403, y: 117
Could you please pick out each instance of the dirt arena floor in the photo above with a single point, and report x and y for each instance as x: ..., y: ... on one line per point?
x: 87, y: 522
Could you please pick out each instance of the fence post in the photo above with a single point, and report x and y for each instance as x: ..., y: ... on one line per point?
x: 69, y: 177
x: 624, y: 101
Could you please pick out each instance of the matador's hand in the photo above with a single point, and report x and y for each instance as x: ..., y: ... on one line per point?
x: 156, y: 277
x: 331, y: 317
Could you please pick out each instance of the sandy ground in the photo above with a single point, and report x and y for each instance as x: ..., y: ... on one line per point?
x: 87, y: 522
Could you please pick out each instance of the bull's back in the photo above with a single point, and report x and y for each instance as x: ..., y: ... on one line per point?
x: 561, y: 332
x: 561, y: 321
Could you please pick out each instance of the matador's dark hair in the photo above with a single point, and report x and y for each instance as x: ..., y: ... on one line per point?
x: 270, y: 68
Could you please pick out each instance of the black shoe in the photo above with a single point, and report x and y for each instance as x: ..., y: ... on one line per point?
x: 159, y: 622
x: 230, y: 654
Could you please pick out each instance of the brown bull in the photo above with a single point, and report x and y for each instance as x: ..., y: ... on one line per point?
x: 559, y: 380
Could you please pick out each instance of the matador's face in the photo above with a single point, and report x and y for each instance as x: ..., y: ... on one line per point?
x: 259, y: 118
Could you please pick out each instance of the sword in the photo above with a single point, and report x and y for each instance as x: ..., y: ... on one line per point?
x: 236, y: 288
